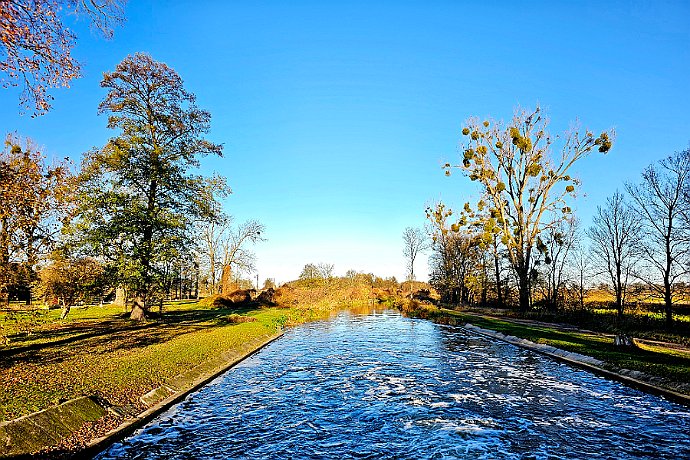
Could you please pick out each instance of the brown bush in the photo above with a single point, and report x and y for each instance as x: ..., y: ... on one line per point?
x: 238, y: 319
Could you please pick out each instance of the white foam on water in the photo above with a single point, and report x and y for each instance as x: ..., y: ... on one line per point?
x: 440, y: 404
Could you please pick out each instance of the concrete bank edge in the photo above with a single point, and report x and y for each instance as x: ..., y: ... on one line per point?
x: 126, y: 428
x: 67, y: 420
x: 34, y: 431
x: 585, y: 362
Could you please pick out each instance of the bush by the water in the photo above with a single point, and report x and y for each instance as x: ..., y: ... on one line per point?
x: 241, y: 298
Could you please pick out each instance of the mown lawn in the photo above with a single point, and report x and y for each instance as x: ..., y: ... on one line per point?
x: 98, y: 352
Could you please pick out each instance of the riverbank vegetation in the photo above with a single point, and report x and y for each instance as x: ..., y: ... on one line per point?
x: 134, y: 224
x: 520, y: 248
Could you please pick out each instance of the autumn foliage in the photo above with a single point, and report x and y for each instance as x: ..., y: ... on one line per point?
x: 524, y: 174
x: 38, y: 46
x: 35, y: 197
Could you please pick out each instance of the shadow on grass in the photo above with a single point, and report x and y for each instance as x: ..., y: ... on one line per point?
x: 117, y: 333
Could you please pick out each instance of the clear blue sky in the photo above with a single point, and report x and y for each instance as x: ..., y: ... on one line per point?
x: 336, y: 116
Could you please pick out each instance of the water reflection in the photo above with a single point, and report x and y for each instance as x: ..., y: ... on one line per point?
x: 384, y: 386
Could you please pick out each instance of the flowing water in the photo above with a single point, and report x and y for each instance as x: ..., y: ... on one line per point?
x: 384, y: 386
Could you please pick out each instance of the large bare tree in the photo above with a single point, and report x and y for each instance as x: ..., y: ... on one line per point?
x: 213, y: 233
x: 524, y: 183
x: 237, y: 256
x: 666, y: 243
x: 615, y: 235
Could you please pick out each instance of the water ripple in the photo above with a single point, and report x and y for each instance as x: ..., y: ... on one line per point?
x: 384, y: 386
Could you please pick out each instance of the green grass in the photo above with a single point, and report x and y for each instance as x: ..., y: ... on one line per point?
x: 654, y: 315
x: 97, y: 352
x: 40, y: 325
x: 665, y: 362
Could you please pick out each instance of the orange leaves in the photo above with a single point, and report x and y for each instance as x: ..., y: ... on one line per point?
x: 34, y: 196
x: 38, y: 47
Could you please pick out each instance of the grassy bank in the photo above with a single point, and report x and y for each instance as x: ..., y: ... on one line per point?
x: 670, y: 364
x: 641, y: 323
x: 97, y: 352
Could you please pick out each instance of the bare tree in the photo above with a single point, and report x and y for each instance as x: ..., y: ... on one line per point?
x: 666, y: 243
x: 325, y: 270
x: 582, y: 267
x: 559, y: 242
x: 213, y: 233
x: 414, y: 243
x: 236, y: 255
x: 525, y: 183
x: 615, y: 238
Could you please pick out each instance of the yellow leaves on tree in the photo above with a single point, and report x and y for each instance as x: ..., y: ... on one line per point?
x: 517, y: 168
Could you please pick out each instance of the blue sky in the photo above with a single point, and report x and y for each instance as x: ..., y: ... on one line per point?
x: 336, y: 116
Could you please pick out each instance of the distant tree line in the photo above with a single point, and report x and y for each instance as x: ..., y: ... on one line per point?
x: 323, y: 272
x: 520, y: 245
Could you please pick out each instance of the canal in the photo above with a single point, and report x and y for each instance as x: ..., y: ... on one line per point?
x: 380, y: 385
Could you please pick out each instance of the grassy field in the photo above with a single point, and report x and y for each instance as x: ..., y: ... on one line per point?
x: 667, y: 362
x: 98, y: 352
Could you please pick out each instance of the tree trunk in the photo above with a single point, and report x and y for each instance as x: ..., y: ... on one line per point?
x: 523, y: 288
x: 196, y: 285
x: 120, y: 297
x: 65, y: 311
x: 412, y: 268
x: 226, y: 284
x: 499, y: 292
x: 619, y: 290
x: 668, y: 305
x: 138, y: 309
x: 582, y: 290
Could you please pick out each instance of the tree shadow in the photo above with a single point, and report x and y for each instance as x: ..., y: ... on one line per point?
x: 110, y: 335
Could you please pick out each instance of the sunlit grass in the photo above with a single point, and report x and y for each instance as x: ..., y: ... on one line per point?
x: 97, y: 352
